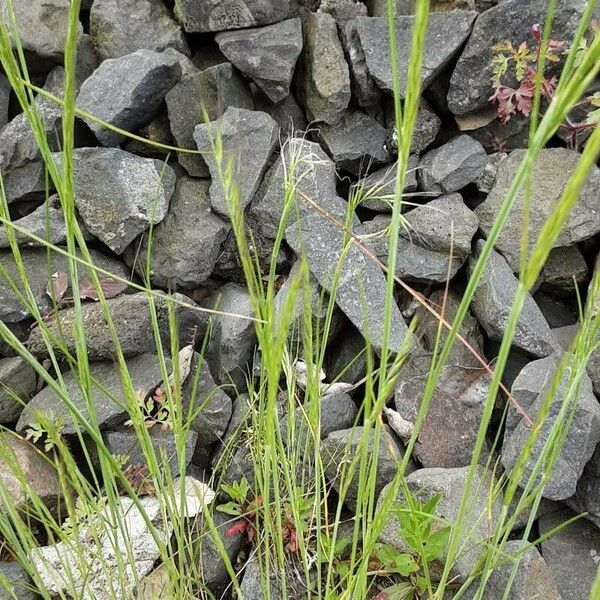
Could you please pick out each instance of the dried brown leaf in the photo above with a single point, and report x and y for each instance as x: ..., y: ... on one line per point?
x: 110, y: 289
x: 57, y: 287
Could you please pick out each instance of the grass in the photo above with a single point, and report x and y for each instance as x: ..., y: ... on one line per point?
x: 303, y: 536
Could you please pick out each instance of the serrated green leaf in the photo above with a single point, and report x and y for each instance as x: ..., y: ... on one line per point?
x: 435, y: 545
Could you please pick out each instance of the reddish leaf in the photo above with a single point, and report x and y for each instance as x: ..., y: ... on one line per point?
x: 110, y: 289
x: 236, y: 529
x: 57, y: 286
x: 522, y: 98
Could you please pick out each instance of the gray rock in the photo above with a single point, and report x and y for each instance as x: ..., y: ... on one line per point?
x: 215, y: 15
x: 186, y: 243
x: 266, y: 55
x: 571, y: 554
x: 18, y: 144
x: 533, y: 578
x: 4, y: 99
x: 448, y: 434
x: 42, y: 26
x: 587, y: 496
x: 452, y: 166
x: 445, y: 35
x: 343, y: 10
x: 28, y: 182
x: 427, y: 329
x: 130, y: 314
x: 234, y: 434
x: 119, y: 27
x: 288, y: 114
x: 248, y: 139
x: 157, y: 131
x: 451, y: 485
x: 360, y: 291
x: 565, y: 336
x: 530, y: 389
x: 110, y: 400
x: 356, y: 142
x: 210, y: 406
x: 46, y: 222
x: 565, y: 269
x: 252, y: 586
x: 486, y: 181
x: 200, y: 97
x: 339, y: 448
x: 233, y: 339
x: 323, y: 78
x: 119, y: 195
x: 125, y: 442
x: 18, y: 382
x: 338, y: 411
x: 427, y: 126
x: 549, y: 177
x: 470, y: 85
x: 492, y: 303
x: 310, y: 173
x: 20, y: 582
x: 376, y: 191
x: 21, y: 461
x: 38, y: 269
x: 127, y: 92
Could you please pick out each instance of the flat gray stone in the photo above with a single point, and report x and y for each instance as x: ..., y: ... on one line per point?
x: 119, y: 195
x: 471, y: 82
x: 199, y: 97
x: 323, y: 77
x: 571, y: 554
x: 38, y: 269
x: 28, y: 182
x: 360, y: 292
x: 5, y: 90
x: 46, y: 222
x: 19, y: 580
x: 186, y: 243
x: 17, y: 378
x: 356, y: 142
x: 565, y: 269
x: 450, y: 484
x: 530, y: 389
x: 110, y: 403
x: 248, y: 139
x: 127, y: 92
x: 446, y: 33
x: 452, y: 166
x: 289, y: 115
x: 448, y: 434
x: 266, y: 55
x: 233, y: 340
x: 215, y: 15
x: 549, y: 177
x: 130, y: 314
x: 119, y: 27
x: 492, y: 303
x: 587, y: 496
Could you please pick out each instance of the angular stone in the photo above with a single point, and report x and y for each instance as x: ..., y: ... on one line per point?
x: 248, y: 139
x: 361, y: 289
x: 343, y: 10
x: 492, y: 303
x: 42, y: 26
x: 119, y: 195
x: 565, y: 269
x: 125, y: 442
x: 486, y: 181
x: 38, y: 269
x: 427, y: 329
x: 18, y: 144
x: 376, y: 191
x: 215, y: 15
x: 127, y: 92
x: 445, y: 35
x: 311, y: 173
x: 587, y: 496
x: 452, y: 166
x: 131, y: 317
x: 266, y: 55
x: 510, y: 20
x: 17, y: 378
x: 233, y: 338
x: 450, y: 484
x: 288, y: 114
x: 571, y: 553
x: 28, y: 182
x: 20, y: 582
x: 186, y: 243
x: 340, y: 447
x: 426, y: 128
x: 448, y: 434
x: 21, y: 460
x: 549, y: 178
x: 530, y: 389
x: 532, y: 580
x: 4, y: 99
x: 323, y: 78
x: 356, y: 143
x: 109, y: 402
x: 200, y: 97
x: 119, y: 27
